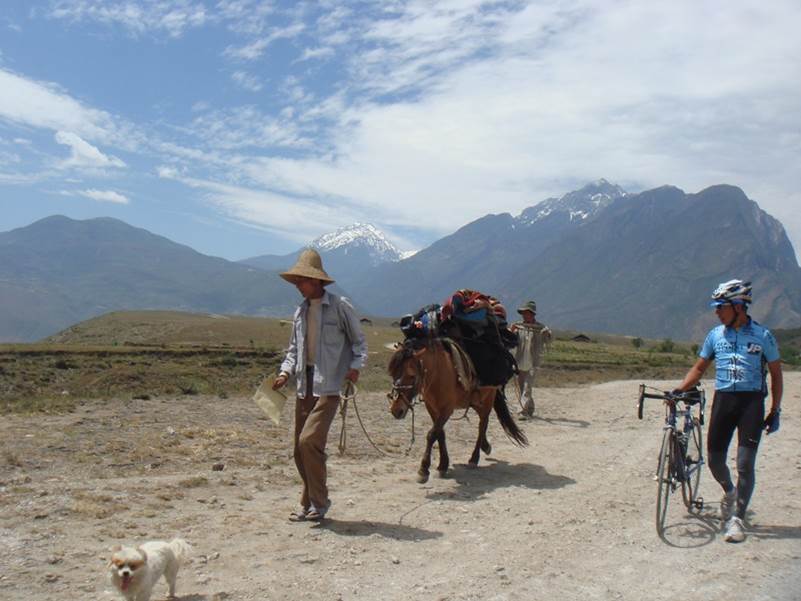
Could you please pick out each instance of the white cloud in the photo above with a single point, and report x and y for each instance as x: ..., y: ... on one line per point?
x: 499, y: 111
x: 255, y: 49
x: 167, y: 172
x: 246, y: 81
x: 296, y: 218
x: 37, y: 104
x: 104, y: 196
x: 83, y: 154
x: 318, y: 52
x: 247, y: 128
x: 458, y: 108
x: 248, y: 52
x: 173, y: 17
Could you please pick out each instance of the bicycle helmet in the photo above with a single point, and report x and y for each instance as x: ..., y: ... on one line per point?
x: 733, y: 292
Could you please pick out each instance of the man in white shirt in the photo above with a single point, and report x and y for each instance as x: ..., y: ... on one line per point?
x: 326, y: 348
x: 532, y: 338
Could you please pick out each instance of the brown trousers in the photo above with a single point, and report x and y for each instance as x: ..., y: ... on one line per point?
x: 313, y: 419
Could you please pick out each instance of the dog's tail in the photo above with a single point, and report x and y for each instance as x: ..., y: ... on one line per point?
x: 181, y: 549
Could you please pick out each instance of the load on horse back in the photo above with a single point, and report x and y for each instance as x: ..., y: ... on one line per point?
x: 440, y: 371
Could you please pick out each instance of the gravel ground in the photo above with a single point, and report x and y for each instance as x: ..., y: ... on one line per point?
x: 570, y: 517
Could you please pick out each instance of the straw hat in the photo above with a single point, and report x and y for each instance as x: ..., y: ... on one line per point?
x: 309, y: 265
x: 529, y: 306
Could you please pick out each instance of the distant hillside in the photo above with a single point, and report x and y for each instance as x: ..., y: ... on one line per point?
x: 59, y: 271
x: 156, y: 328
x: 602, y: 260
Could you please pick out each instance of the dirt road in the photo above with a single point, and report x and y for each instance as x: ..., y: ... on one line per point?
x: 569, y: 518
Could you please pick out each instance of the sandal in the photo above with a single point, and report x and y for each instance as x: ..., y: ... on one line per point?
x: 317, y: 515
x: 301, y: 515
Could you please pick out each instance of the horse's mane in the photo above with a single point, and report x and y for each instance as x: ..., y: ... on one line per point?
x: 406, y: 350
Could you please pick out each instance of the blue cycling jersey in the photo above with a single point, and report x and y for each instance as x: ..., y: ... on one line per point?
x: 740, y: 356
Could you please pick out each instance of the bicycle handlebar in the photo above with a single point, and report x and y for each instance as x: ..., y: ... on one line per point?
x: 690, y: 397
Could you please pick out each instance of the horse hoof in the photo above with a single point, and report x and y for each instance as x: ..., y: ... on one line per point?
x: 471, y: 465
x: 442, y: 474
x: 487, y: 449
x: 422, y: 478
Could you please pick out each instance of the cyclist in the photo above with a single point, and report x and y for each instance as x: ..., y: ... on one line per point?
x: 743, y: 352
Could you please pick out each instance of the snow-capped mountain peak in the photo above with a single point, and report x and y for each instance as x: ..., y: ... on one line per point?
x: 359, y: 238
x: 577, y: 205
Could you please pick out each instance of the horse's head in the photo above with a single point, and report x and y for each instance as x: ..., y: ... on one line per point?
x: 407, y: 375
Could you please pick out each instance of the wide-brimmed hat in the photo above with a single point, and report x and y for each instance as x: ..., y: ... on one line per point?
x: 309, y: 265
x: 528, y: 306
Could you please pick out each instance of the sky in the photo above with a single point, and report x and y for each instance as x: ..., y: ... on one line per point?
x: 250, y: 127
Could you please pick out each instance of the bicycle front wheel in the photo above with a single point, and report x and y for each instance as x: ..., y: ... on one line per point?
x: 664, y: 480
x: 693, y: 460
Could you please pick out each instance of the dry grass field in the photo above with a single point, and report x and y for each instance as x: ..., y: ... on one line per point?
x: 148, y: 354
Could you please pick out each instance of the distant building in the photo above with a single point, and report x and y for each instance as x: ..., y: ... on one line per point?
x: 581, y: 338
x: 366, y: 321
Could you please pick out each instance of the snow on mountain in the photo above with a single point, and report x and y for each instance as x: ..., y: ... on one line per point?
x: 577, y: 205
x: 361, y: 238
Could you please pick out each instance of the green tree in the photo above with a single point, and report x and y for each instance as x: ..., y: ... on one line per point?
x: 637, y: 343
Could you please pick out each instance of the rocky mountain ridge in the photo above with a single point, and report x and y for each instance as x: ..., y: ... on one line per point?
x: 597, y: 259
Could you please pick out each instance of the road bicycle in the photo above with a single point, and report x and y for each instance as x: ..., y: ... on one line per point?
x: 681, y: 455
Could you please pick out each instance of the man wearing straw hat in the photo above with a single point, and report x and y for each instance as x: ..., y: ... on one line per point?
x: 532, y: 338
x: 326, y: 348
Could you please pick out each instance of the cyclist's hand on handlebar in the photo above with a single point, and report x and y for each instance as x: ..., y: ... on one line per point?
x: 771, y: 423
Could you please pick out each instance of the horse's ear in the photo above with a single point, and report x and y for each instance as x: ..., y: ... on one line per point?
x: 398, y: 345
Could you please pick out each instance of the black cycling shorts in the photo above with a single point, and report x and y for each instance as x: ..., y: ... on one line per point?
x: 743, y: 411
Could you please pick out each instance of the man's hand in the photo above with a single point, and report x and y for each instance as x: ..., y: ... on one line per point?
x: 352, y: 375
x: 280, y: 381
x: 771, y: 423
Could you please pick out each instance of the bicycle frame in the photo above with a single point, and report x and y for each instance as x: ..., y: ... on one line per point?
x: 674, y: 411
x: 681, y: 455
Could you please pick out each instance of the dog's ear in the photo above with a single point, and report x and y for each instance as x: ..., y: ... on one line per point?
x: 144, y: 555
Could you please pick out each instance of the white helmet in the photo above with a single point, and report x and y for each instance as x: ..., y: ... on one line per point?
x: 731, y: 293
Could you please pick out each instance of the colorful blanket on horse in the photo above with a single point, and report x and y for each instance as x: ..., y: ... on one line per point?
x: 477, y: 322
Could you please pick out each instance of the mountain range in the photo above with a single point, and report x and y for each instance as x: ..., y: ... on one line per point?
x: 597, y: 259
x: 58, y: 271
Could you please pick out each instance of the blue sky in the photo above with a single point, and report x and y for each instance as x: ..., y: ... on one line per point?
x: 246, y: 127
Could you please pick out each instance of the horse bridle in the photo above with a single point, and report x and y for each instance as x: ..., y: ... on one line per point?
x: 412, y: 390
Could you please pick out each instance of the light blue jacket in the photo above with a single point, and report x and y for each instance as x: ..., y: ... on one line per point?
x: 342, y: 346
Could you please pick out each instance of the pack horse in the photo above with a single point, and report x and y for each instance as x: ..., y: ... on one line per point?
x: 433, y: 369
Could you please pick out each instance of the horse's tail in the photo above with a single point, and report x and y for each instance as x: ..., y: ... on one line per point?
x: 507, y: 421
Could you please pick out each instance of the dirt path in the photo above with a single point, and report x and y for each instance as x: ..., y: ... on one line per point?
x: 569, y: 518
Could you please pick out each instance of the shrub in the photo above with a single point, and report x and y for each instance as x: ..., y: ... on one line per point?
x: 666, y: 346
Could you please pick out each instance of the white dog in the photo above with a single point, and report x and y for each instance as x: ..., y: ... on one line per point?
x: 135, y: 570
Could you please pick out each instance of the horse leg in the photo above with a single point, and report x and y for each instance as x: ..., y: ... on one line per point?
x: 431, y: 437
x: 485, y: 445
x: 483, y: 409
x: 444, y: 459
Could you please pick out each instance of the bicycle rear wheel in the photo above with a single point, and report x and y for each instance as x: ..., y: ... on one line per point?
x: 693, y: 460
x: 664, y: 480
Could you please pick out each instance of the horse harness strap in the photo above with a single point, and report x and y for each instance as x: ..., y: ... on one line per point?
x: 349, y: 394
